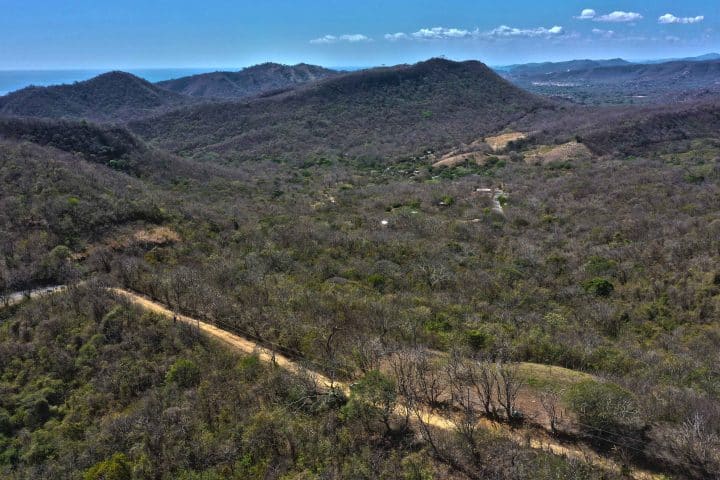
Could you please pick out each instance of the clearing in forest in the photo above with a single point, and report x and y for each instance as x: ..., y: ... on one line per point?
x: 501, y: 141
x: 548, y: 154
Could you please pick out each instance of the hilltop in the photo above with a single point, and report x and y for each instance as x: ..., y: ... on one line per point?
x: 112, y: 96
x: 248, y: 82
x: 373, y: 114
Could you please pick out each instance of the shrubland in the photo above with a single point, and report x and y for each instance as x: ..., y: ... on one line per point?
x: 587, y: 310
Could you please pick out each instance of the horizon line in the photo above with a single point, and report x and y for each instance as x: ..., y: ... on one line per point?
x: 231, y: 68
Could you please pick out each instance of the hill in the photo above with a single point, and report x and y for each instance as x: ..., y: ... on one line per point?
x: 373, y: 114
x: 94, y: 142
x: 248, y: 82
x: 689, y: 73
x: 645, y: 132
x: 113, y: 96
x: 53, y: 203
x: 659, y: 83
x: 544, y: 68
x: 699, y: 58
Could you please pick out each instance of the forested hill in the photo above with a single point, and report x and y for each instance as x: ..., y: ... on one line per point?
x: 545, y: 68
x: 113, y: 96
x: 90, y: 140
x: 687, y: 72
x: 374, y: 114
x: 248, y: 82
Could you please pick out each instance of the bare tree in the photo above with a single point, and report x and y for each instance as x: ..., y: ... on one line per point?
x: 696, y: 443
x: 481, y: 375
x: 507, y: 387
x: 551, y: 405
x: 428, y: 378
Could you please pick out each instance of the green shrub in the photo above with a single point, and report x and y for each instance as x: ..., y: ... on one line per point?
x: 479, y: 340
x: 446, y: 200
x: 600, y: 266
x: 372, y: 397
x: 116, y: 467
x: 5, y: 422
x: 599, y: 287
x: 377, y: 281
x: 184, y: 373
x: 605, y: 410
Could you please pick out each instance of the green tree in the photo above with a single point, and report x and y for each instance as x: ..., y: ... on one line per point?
x: 372, y: 397
x: 599, y: 287
x: 184, y: 373
x: 116, y: 467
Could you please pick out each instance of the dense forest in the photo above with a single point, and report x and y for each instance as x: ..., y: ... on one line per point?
x: 528, y: 296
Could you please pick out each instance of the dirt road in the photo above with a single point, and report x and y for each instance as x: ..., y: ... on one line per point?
x: 532, y: 438
x: 15, y: 298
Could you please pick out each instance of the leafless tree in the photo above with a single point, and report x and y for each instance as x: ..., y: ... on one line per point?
x: 696, y: 444
x: 551, y: 405
x: 507, y: 385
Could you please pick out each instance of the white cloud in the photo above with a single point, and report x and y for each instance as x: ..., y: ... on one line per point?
x: 351, y: 38
x: 587, y: 14
x: 439, y: 33
x: 396, y: 36
x: 672, y: 39
x: 619, y: 16
x: 354, y: 38
x: 669, y: 18
x: 603, y: 33
x: 503, y: 31
x: 325, y: 39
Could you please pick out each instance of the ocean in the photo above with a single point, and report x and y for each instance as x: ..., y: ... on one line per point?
x: 11, y: 80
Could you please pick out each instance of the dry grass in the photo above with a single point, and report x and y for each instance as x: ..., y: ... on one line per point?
x: 156, y: 236
x: 452, y: 160
x: 543, y: 377
x: 546, y: 154
x: 499, y: 142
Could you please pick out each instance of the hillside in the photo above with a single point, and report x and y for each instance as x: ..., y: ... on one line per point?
x: 658, y: 83
x: 54, y: 203
x: 619, y: 131
x: 248, y: 82
x: 687, y: 73
x: 645, y: 132
x: 110, y: 97
x: 94, y: 142
x: 545, y: 68
x: 374, y: 114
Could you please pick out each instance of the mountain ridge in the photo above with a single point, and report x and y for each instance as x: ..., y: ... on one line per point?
x: 109, y: 97
x: 249, y: 82
x: 388, y: 111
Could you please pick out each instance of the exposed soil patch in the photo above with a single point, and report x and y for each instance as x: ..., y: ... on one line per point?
x: 499, y: 142
x: 567, y: 152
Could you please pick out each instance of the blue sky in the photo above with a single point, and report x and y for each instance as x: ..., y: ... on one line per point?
x: 52, y: 34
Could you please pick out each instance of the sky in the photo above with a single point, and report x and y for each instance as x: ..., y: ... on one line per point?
x: 104, y: 34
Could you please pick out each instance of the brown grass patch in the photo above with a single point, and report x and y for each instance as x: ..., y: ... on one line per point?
x: 499, y: 142
x: 546, y: 155
x: 156, y: 236
x: 454, y: 159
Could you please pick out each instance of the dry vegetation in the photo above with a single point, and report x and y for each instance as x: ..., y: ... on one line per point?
x: 587, y: 312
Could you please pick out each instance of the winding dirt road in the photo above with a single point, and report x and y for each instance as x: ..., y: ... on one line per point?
x: 531, y: 438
